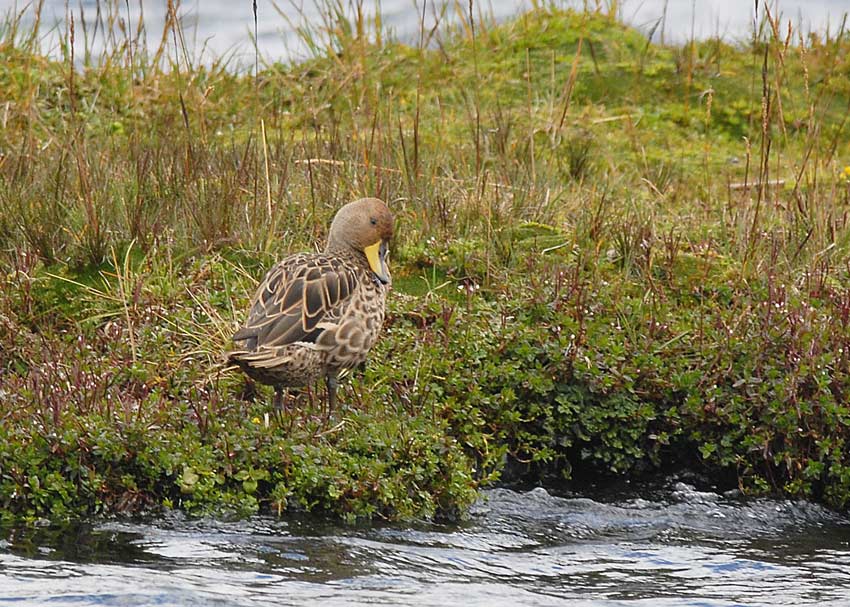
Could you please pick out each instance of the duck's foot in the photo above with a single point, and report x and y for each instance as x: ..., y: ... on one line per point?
x: 285, y: 403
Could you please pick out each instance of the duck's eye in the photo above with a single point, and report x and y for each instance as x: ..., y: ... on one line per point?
x: 373, y: 221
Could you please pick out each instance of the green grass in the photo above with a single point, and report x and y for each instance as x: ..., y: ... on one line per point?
x: 612, y: 257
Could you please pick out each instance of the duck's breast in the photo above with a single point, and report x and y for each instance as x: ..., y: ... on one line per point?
x: 359, y: 325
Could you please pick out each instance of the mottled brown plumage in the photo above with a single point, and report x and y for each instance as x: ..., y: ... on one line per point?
x: 318, y: 314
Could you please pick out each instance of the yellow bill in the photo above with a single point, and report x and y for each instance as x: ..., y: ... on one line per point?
x: 376, y: 255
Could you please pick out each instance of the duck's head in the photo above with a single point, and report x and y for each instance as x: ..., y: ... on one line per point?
x: 365, y: 227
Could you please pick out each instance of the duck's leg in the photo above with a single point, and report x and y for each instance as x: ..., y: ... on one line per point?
x: 333, y: 384
x: 278, y: 399
x: 249, y: 391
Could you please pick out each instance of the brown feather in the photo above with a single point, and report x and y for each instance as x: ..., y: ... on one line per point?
x: 313, y: 300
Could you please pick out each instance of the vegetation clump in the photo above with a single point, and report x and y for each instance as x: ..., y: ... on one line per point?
x: 613, y: 257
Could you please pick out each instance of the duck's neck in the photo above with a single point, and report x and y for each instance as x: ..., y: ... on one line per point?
x: 349, y: 253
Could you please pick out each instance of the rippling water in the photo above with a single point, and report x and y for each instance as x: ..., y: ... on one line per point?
x: 677, y: 547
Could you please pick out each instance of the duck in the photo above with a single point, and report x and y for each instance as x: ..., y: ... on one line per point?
x: 316, y: 316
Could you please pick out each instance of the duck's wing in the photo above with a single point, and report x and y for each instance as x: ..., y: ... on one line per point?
x: 299, y: 299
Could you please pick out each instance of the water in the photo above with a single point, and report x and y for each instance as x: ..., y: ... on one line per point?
x: 215, y: 28
x: 674, y: 546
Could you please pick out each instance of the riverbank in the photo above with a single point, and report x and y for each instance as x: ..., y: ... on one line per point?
x: 612, y: 257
